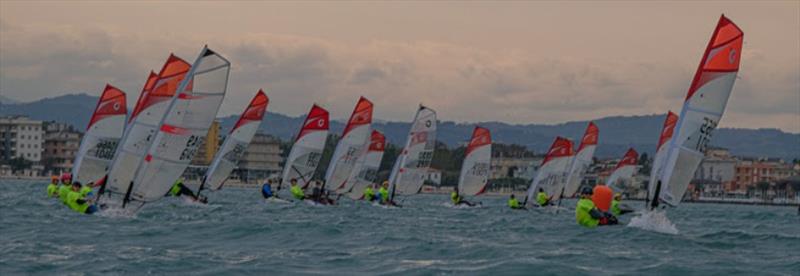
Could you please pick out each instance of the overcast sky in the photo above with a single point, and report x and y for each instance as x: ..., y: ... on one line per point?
x: 517, y: 62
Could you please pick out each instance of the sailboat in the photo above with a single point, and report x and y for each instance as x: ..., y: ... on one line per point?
x: 306, y: 152
x: 365, y: 172
x: 702, y: 109
x: 553, y: 172
x: 143, y: 123
x: 582, y: 160
x: 624, y: 169
x: 354, y: 142
x: 102, y: 136
x: 661, y: 153
x: 476, y: 166
x: 232, y: 150
x: 182, y: 128
x: 413, y: 163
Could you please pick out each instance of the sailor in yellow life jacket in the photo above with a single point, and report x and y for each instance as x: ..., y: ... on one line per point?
x: 52, y: 188
x: 513, y: 203
x: 78, y: 202
x: 66, y: 185
x: 456, y: 198
x: 297, y: 192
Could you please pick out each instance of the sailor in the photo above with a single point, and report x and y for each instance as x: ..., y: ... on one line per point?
x: 542, y: 198
x: 86, y: 190
x: 297, y: 192
x: 266, y: 189
x: 586, y: 214
x: 52, y: 188
x: 383, y: 192
x: 66, y: 184
x: 78, y: 202
x: 316, y: 192
x: 513, y: 203
x: 178, y: 189
x: 369, y: 193
x: 456, y: 198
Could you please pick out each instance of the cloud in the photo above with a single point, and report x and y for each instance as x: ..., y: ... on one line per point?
x: 461, y: 82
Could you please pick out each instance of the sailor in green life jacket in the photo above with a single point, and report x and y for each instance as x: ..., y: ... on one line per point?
x: 66, y: 184
x: 542, y: 199
x: 178, y: 189
x: 52, y: 188
x: 513, y: 203
x: 297, y: 192
x: 369, y: 193
x: 78, y: 202
x: 587, y: 215
x: 456, y: 198
x: 383, y: 194
x: 616, y: 210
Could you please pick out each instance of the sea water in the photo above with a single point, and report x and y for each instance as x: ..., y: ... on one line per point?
x: 240, y: 233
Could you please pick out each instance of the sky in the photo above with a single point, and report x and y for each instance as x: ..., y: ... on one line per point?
x: 515, y: 62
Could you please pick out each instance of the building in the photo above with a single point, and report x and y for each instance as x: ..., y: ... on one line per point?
x: 61, y: 143
x: 515, y: 167
x: 751, y: 171
x: 717, y: 171
x: 434, y: 176
x: 261, y: 160
x: 21, y: 137
x: 206, y: 151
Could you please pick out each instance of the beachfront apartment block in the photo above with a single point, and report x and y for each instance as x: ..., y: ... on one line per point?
x: 21, y: 137
x: 61, y: 144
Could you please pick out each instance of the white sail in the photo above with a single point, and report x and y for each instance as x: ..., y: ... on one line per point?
x: 703, y: 108
x: 102, y: 136
x: 582, y: 159
x: 143, y: 123
x: 553, y: 172
x: 624, y: 170
x: 183, y: 127
x: 477, y: 161
x: 365, y: 172
x: 231, y: 151
x: 661, y: 152
x: 354, y: 142
x: 414, y: 161
x: 307, y: 149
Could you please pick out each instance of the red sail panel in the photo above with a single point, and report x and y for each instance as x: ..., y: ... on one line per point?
x: 164, y: 86
x: 561, y: 147
x: 111, y: 103
x: 722, y: 55
x: 317, y: 119
x: 148, y: 85
x: 668, y: 129
x: 590, y: 136
x: 377, y: 142
x: 362, y: 115
x: 255, y: 111
x: 631, y: 158
x: 480, y: 137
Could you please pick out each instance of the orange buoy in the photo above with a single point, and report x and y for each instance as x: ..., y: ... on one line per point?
x: 602, y: 196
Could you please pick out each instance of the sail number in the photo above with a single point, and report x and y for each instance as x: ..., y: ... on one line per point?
x: 105, y: 149
x: 706, y: 131
x: 191, y: 147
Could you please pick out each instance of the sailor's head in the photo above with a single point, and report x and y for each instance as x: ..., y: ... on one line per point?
x: 541, y: 190
x: 66, y: 178
x: 385, y: 184
x: 455, y: 189
x: 76, y: 186
x: 617, y: 196
x: 586, y: 191
x: 293, y: 181
x: 54, y: 179
x: 512, y: 196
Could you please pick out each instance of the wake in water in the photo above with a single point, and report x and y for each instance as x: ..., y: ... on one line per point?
x: 655, y: 221
x: 117, y: 212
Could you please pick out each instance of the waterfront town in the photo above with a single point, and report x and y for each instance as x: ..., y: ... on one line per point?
x: 36, y: 149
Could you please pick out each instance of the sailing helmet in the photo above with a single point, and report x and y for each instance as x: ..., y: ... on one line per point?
x: 66, y: 176
x: 54, y: 178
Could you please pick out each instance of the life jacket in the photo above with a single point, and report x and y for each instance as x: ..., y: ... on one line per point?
x: 454, y: 198
x: 615, y: 210
x: 541, y: 198
x: 369, y: 194
x: 176, y: 189
x: 72, y: 202
x: 52, y: 189
x: 582, y: 215
x: 85, y: 190
x: 513, y: 203
x: 297, y: 192
x: 384, y: 193
x: 266, y: 190
x: 63, y: 191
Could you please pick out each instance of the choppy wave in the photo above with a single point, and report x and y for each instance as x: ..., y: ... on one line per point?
x: 240, y: 233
